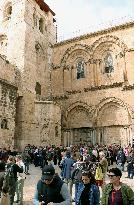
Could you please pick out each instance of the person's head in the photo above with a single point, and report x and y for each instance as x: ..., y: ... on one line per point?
x: 101, y: 155
x: 11, y: 159
x: 87, y: 177
x: 68, y: 154
x: 48, y: 173
x: 18, y: 158
x: 114, y: 175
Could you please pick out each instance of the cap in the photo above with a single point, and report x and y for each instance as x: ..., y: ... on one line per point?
x: 48, y: 172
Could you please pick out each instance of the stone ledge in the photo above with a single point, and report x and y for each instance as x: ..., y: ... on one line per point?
x: 102, y: 87
x: 128, y: 87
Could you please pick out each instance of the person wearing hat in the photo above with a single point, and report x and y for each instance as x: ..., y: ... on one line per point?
x: 116, y: 192
x: 50, y: 189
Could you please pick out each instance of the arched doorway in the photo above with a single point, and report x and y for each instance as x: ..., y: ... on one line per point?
x: 79, y: 129
x: 114, y: 124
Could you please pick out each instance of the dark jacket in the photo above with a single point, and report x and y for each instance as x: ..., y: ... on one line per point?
x: 121, y: 158
x: 15, y: 168
x: 50, y: 193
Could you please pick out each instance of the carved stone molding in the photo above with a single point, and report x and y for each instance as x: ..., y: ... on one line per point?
x: 108, y: 38
x: 102, y: 87
x: 59, y: 97
x: 70, y: 92
x: 78, y: 104
x: 128, y: 87
x: 115, y: 100
x: 71, y: 49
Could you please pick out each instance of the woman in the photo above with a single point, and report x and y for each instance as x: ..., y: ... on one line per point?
x: 88, y: 192
x: 116, y: 192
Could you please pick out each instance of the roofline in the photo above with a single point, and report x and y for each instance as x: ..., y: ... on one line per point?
x: 44, y: 6
x: 96, y: 33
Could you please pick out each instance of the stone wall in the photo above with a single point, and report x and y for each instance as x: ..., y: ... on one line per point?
x: 96, y: 102
x: 8, y: 96
x: 103, y: 101
x: 30, y: 34
x: 48, y: 120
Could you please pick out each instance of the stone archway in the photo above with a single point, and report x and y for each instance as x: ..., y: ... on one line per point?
x: 114, y: 120
x: 79, y: 128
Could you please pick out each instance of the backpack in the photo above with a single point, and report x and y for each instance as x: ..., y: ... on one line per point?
x: 77, y: 172
x: 98, y: 173
x: 76, y: 175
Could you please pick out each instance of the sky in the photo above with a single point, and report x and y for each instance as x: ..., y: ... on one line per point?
x: 77, y: 17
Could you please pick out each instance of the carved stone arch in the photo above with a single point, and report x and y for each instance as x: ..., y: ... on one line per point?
x: 72, y: 49
x: 79, y: 114
x: 108, y: 38
x: 80, y: 104
x: 113, y: 105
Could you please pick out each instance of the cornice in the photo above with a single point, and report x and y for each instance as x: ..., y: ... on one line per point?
x: 128, y: 87
x: 93, y: 34
x: 102, y: 87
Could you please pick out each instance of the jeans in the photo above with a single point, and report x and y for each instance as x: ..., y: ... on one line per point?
x: 19, y: 190
x: 130, y: 170
x: 26, y: 167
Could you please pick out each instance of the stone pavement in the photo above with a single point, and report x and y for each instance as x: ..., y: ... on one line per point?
x: 35, y: 174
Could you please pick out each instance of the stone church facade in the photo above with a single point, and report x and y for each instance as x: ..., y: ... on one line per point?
x: 79, y: 91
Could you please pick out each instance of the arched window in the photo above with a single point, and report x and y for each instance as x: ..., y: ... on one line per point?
x: 38, y: 88
x: 80, y: 69
x: 41, y: 25
x: 7, y: 11
x: 4, y: 124
x: 108, y: 62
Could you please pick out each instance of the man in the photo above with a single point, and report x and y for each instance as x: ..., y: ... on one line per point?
x: 121, y: 158
x: 67, y: 166
x: 20, y: 181
x: 11, y: 173
x: 130, y: 162
x: 26, y: 160
x: 116, y: 192
x: 51, y: 190
x: 103, y: 164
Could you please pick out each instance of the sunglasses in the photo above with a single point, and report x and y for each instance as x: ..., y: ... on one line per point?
x: 111, y: 175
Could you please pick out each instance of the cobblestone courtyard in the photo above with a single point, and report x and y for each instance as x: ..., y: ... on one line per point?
x: 35, y: 173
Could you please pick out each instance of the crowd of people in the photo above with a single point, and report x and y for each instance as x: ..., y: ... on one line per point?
x: 84, y: 167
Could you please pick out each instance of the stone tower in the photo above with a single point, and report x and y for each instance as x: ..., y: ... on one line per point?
x: 27, y: 33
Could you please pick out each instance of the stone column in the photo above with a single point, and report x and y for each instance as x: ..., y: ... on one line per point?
x: 71, y: 137
x: 95, y: 73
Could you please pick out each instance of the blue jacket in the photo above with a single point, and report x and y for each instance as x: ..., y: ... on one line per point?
x: 67, y: 164
x: 94, y: 194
